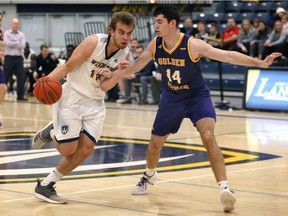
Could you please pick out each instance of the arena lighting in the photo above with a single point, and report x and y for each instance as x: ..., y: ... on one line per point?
x: 152, y: 1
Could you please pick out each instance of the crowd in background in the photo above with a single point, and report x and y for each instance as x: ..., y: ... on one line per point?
x: 257, y: 38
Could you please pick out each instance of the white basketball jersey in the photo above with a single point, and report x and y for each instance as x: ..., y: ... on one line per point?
x: 83, y: 78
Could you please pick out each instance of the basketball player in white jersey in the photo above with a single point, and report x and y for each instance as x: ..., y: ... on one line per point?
x: 78, y: 116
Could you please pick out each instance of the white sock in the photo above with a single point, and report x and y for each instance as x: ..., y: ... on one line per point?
x: 223, y: 184
x: 54, y: 176
x: 150, y: 172
x: 52, y: 133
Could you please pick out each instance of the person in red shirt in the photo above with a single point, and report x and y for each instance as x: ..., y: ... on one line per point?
x: 230, y: 35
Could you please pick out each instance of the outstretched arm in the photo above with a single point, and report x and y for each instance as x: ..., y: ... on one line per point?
x: 125, y: 68
x: 200, y: 48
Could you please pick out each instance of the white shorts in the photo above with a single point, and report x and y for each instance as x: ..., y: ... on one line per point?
x: 75, y: 113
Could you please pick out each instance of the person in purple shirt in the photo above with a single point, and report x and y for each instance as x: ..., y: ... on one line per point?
x: 14, y: 44
x: 3, y: 87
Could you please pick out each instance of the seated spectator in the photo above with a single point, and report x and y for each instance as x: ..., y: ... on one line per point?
x: 29, y: 66
x: 202, y: 34
x: 188, y: 27
x: 45, y: 62
x: 284, y: 20
x: 142, y: 77
x: 257, y: 44
x: 245, y: 36
x: 156, y: 87
x: 274, y: 17
x: 214, y: 37
x: 134, y: 43
x: 230, y: 35
x: 276, y: 40
x: 256, y: 23
x: 69, y: 50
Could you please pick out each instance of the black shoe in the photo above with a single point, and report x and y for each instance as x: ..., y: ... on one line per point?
x: 141, y: 102
x: 48, y: 193
x: 127, y: 101
x: 22, y: 99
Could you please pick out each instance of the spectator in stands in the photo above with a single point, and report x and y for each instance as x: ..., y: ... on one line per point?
x: 230, y: 35
x: 245, y: 36
x: 46, y: 62
x: 29, y: 65
x: 202, y: 33
x: 14, y: 44
x: 141, y: 77
x: 214, y: 37
x: 156, y: 87
x: 69, y: 50
x: 188, y: 27
x: 274, y: 17
x: 257, y: 44
x: 134, y: 43
x: 284, y: 20
x: 276, y: 40
x: 256, y: 23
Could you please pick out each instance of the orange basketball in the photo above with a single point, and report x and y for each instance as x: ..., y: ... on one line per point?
x: 48, y: 90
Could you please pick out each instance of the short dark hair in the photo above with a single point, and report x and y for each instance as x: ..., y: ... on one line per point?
x: 170, y: 12
x: 123, y: 17
x: 43, y: 46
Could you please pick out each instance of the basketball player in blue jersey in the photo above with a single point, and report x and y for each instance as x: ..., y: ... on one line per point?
x: 79, y: 114
x: 185, y: 94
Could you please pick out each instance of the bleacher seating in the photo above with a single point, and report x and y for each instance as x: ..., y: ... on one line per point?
x: 233, y: 6
x: 249, y: 16
x: 262, y: 16
x: 248, y: 7
x: 283, y: 4
x: 264, y: 7
x: 232, y: 76
x: 73, y: 38
x: 94, y: 28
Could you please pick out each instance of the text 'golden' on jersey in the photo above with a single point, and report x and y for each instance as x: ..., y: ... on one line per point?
x: 171, y: 61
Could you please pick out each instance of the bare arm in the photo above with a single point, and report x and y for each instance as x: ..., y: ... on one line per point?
x: 125, y: 68
x: 83, y: 51
x: 142, y: 60
x: 109, y: 83
x: 200, y: 48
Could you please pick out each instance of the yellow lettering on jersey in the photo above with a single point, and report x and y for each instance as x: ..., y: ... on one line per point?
x: 177, y: 88
x: 171, y: 61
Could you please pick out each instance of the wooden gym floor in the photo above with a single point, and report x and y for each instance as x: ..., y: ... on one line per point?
x: 255, y: 146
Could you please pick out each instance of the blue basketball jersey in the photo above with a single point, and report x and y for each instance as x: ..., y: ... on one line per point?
x: 181, y: 74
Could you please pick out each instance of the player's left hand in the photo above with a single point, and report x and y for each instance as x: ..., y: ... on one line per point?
x: 105, y: 72
x: 123, y: 65
x: 270, y: 59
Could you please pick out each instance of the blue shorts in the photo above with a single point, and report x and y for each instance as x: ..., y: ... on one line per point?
x: 2, y: 77
x: 171, y: 114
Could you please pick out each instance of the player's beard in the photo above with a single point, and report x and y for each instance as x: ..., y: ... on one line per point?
x: 118, y: 44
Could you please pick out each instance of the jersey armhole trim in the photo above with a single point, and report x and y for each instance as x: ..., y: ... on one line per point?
x: 154, y: 47
x: 189, y: 51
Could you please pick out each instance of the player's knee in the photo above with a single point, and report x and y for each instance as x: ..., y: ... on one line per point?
x: 67, y: 149
x: 87, y: 150
x: 3, y: 88
x: 207, y: 137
